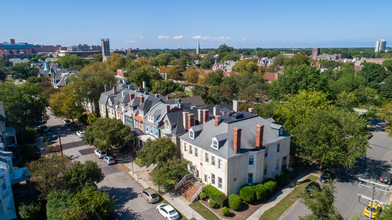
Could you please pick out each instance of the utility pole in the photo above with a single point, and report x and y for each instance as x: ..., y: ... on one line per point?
x: 61, y: 147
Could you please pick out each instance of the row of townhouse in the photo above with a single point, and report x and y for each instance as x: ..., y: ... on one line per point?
x: 225, y: 147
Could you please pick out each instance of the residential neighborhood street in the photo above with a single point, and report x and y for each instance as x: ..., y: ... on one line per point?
x: 378, y: 159
x: 117, y: 182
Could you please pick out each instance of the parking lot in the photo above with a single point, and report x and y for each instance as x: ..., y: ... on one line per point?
x: 117, y: 182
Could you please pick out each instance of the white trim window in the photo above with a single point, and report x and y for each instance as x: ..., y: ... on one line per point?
x: 212, y: 160
x: 212, y: 179
x: 190, y: 149
x: 191, y: 134
x: 219, y: 183
x: 196, y: 152
x: 215, y: 144
x: 206, y: 158
x: 151, y: 118
x: 185, y: 148
x: 219, y: 163
x: 251, y: 160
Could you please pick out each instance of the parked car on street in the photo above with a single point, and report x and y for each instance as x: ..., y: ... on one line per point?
x: 67, y: 122
x: 43, y: 128
x: 150, y: 195
x: 49, y: 135
x: 374, y: 207
x: 327, y: 175
x: 80, y: 134
x: 109, y: 160
x: 167, y: 211
x: 386, y: 178
x: 312, y: 185
x: 100, y: 153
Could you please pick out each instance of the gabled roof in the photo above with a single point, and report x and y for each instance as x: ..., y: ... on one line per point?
x: 194, y: 100
x: 225, y: 129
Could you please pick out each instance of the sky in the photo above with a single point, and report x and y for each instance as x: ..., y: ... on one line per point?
x: 181, y: 23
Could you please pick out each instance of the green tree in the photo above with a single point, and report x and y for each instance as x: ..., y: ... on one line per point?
x: 23, y: 71
x: 206, y: 63
x: 331, y: 137
x: 114, y: 62
x: 279, y: 60
x: 66, y: 103
x: 386, y: 213
x: 172, y: 72
x: 48, y: 172
x: 91, y: 118
x: 157, y: 152
x: 164, y: 87
x: 168, y: 175
x: 191, y: 75
x: 69, y: 61
x: 215, y: 78
x: 30, y: 210
x: 3, y: 73
x: 107, y: 133
x: 297, y: 60
x: 373, y: 73
x: 89, y: 85
x: 347, y: 100
x: 386, y: 88
x: 322, y: 204
x: 386, y: 114
x: 162, y: 59
x: 140, y: 70
x: 24, y: 104
x: 59, y: 206
x: 80, y: 175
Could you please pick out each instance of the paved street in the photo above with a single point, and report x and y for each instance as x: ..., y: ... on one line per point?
x: 117, y: 182
x: 378, y: 159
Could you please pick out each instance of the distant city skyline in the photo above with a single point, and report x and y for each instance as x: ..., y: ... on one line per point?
x: 180, y: 24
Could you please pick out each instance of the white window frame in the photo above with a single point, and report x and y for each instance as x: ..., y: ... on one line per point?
x: 215, y: 144
x: 220, y: 182
x: 212, y: 160
x: 219, y: 164
x: 206, y: 157
x: 191, y: 134
x: 249, y: 159
x: 190, y: 149
x: 212, y: 179
x: 196, y: 152
x: 151, y: 118
x: 185, y: 148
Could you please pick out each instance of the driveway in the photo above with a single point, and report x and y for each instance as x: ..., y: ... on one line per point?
x: 117, y: 182
x: 378, y: 159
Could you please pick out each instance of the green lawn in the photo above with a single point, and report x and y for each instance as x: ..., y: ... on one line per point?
x: 189, y: 93
x: 276, y: 211
x: 181, y: 215
x: 203, y: 211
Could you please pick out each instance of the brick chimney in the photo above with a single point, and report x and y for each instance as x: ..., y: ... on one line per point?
x: 223, y: 113
x: 214, y: 110
x: 205, y: 115
x: 132, y: 96
x: 184, y: 119
x: 237, y: 140
x: 200, y: 115
x: 191, y: 120
x: 168, y: 108
x: 259, y: 135
x: 217, y: 120
x: 141, y: 99
x: 167, y: 97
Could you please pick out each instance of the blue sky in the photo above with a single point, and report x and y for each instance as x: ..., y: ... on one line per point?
x: 180, y: 23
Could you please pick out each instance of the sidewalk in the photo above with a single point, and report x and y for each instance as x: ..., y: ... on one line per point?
x: 278, y: 197
x: 181, y: 204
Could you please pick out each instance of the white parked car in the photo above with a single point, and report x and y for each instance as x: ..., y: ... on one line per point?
x: 100, y: 153
x: 109, y: 160
x: 167, y: 211
x: 80, y: 134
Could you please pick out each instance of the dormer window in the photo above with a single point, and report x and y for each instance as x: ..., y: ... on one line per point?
x: 215, y: 144
x: 191, y: 134
x: 281, y: 130
x: 151, y: 118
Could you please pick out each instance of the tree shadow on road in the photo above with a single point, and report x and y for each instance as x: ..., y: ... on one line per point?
x: 121, y: 197
x: 365, y: 167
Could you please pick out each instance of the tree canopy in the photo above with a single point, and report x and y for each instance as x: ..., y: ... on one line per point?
x: 23, y: 71
x: 83, y: 174
x: 66, y: 103
x: 157, y: 152
x: 106, y: 133
x: 165, y: 87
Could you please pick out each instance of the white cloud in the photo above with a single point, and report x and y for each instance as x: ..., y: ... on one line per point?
x: 178, y: 37
x: 163, y: 37
x: 244, y: 39
x: 211, y: 38
x: 130, y: 41
x: 141, y: 37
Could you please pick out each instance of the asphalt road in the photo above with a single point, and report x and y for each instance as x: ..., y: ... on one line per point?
x: 117, y: 182
x: 378, y: 159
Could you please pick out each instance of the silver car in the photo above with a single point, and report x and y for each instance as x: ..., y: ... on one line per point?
x: 109, y: 160
x: 150, y: 195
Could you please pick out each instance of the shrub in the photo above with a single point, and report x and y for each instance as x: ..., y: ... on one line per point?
x: 31, y: 210
x: 281, y: 180
x: 247, y: 194
x: 215, y: 194
x: 271, y: 186
x: 268, y: 180
x: 235, y: 202
x: 212, y: 203
x: 261, y: 191
x: 202, y: 196
x: 225, y: 211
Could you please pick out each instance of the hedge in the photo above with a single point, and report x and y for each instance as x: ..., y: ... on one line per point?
x: 215, y: 194
x: 235, y: 202
x: 212, y: 203
x: 247, y: 194
x: 271, y: 186
x: 202, y: 196
x: 225, y: 211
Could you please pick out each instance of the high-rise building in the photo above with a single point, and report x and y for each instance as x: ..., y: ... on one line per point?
x: 380, y: 45
x: 198, y: 48
x: 105, y: 49
x: 315, y: 53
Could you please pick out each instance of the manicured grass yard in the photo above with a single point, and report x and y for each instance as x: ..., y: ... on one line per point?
x: 203, y: 211
x: 276, y: 211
